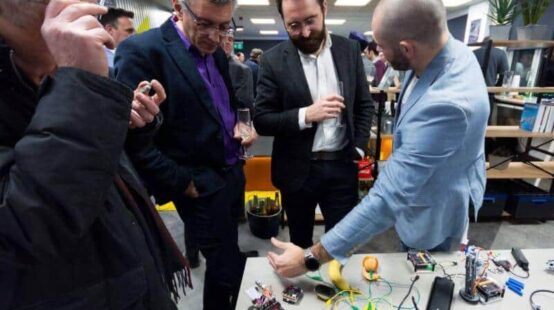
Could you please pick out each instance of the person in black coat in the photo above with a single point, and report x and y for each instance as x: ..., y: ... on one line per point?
x: 77, y: 230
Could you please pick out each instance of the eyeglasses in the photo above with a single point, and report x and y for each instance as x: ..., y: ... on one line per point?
x: 206, y: 27
x: 297, y: 27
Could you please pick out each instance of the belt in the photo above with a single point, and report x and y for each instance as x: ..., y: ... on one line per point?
x: 336, y: 155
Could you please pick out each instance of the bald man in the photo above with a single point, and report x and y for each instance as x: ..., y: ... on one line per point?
x: 438, y: 164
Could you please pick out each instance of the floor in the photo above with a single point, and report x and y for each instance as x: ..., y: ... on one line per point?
x: 491, y: 235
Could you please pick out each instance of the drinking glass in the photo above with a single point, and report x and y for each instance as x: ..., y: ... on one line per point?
x: 340, y: 92
x: 245, y: 129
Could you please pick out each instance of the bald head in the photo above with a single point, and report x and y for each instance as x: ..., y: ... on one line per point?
x: 423, y: 21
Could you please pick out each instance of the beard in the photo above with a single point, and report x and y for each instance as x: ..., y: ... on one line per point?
x: 310, y: 44
x: 399, y: 61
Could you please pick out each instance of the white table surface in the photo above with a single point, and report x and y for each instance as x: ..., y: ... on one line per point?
x: 394, y: 267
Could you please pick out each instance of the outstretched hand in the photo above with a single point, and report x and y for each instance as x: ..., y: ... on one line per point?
x: 290, y: 263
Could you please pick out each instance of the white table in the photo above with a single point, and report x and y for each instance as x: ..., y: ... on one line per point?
x: 394, y: 267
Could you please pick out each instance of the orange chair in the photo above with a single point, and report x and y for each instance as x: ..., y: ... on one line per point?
x: 258, y: 174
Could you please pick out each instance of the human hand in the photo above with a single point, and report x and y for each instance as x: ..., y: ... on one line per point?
x: 145, y: 107
x: 325, y: 108
x: 290, y: 263
x: 191, y: 191
x: 74, y: 36
x: 246, y: 134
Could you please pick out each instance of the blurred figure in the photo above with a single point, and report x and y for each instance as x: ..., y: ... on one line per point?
x: 119, y: 24
x: 77, y: 229
x: 498, y: 64
x: 369, y: 67
x: 241, y: 76
x: 254, y: 63
x: 240, y: 57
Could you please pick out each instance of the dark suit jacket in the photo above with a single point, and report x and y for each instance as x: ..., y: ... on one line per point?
x: 241, y: 78
x: 283, y: 90
x: 188, y: 145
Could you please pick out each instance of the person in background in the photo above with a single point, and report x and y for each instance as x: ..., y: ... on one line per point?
x: 241, y: 76
x: 240, y: 57
x: 437, y: 167
x: 369, y: 66
x: 77, y: 229
x: 498, y: 64
x: 313, y: 97
x: 193, y: 157
x: 119, y: 24
x: 254, y: 63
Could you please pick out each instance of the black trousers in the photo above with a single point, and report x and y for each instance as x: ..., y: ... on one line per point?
x: 333, y: 184
x: 212, y: 223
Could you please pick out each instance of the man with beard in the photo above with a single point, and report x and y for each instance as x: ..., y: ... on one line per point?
x: 313, y: 97
x: 438, y: 165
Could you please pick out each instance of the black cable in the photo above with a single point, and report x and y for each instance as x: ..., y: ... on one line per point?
x: 414, y: 303
x: 533, y: 305
x: 409, y: 291
x: 517, y: 275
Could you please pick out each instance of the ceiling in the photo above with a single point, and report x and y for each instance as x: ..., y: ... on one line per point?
x: 357, y: 18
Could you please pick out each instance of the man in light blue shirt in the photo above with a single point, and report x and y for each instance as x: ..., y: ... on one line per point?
x: 119, y: 24
x: 437, y: 167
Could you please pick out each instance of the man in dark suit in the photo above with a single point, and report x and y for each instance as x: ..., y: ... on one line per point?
x: 241, y: 75
x: 254, y: 64
x: 192, y: 157
x: 318, y: 132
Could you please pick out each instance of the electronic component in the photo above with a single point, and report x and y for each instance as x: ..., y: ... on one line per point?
x: 503, y: 263
x: 521, y: 260
x: 145, y: 89
x: 262, y: 298
x: 324, y: 292
x: 441, y: 294
x: 489, y: 290
x: 467, y: 292
x: 292, y: 294
x: 421, y: 260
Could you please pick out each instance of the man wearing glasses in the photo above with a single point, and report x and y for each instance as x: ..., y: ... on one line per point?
x: 313, y: 97
x: 192, y: 156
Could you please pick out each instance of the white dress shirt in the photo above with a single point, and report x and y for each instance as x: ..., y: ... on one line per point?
x: 321, y: 75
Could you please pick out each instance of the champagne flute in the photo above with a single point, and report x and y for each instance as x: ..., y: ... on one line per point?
x: 245, y: 129
x: 340, y: 91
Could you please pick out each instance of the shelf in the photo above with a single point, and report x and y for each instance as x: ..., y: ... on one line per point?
x: 509, y: 100
x: 516, y: 44
x: 536, y: 90
x: 519, y: 170
x: 514, y: 132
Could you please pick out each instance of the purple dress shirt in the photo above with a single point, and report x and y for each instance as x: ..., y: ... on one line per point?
x: 220, y: 97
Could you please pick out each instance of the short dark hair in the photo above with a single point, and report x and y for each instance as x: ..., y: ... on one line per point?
x: 113, y: 15
x: 372, y: 47
x: 280, y: 6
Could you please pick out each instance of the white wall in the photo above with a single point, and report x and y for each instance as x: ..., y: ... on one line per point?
x: 478, y: 11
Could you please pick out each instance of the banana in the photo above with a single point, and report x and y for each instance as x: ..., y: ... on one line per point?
x: 335, y: 275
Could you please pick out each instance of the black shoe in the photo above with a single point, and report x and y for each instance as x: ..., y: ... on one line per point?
x: 194, y: 259
x: 251, y: 254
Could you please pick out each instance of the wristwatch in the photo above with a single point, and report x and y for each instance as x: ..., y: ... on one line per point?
x: 310, y: 261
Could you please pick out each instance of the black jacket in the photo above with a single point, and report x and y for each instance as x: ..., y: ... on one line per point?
x: 283, y: 90
x: 189, y: 143
x: 67, y: 239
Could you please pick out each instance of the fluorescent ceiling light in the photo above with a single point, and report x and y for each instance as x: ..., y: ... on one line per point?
x: 368, y: 33
x: 454, y: 3
x: 351, y: 2
x: 263, y: 21
x: 334, y: 21
x: 329, y: 31
x: 253, y: 2
x: 269, y: 32
x: 239, y: 28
